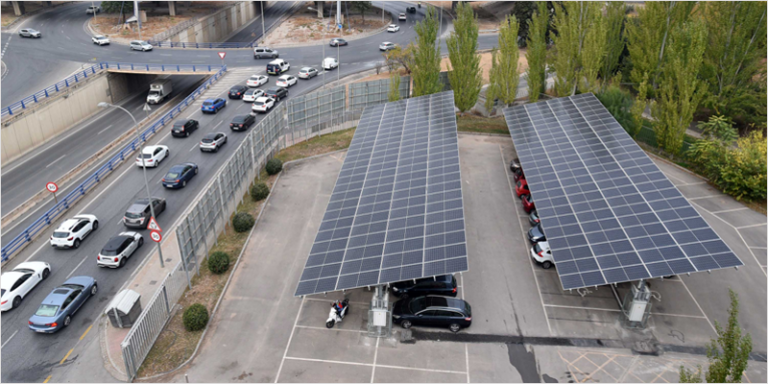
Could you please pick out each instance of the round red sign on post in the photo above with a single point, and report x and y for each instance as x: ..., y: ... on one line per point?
x: 155, y: 236
x: 51, y: 187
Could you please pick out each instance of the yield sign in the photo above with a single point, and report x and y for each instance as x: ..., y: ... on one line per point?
x: 222, y: 55
x: 153, y: 226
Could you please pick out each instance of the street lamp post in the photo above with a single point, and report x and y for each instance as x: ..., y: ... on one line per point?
x: 263, y: 26
x: 104, y: 104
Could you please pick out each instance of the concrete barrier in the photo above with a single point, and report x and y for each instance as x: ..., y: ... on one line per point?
x: 220, y: 25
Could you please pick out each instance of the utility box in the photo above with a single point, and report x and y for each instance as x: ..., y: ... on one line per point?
x: 124, y: 309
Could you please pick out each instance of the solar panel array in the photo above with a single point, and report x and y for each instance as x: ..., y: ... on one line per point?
x: 396, y: 212
x: 609, y: 214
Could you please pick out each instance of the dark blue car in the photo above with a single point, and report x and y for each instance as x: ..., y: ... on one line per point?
x: 178, y: 175
x: 59, y: 306
x: 213, y: 105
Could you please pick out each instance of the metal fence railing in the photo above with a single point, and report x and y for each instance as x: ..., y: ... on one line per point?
x: 186, y: 44
x: 28, y: 234
x: 175, y: 30
x: 185, y: 68
x: 313, y: 108
x: 374, y: 92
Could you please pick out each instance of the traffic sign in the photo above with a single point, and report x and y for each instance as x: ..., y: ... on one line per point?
x: 155, y: 236
x: 222, y: 55
x: 51, y: 187
x: 153, y: 226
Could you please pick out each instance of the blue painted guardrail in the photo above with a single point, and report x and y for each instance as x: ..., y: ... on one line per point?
x: 93, y: 70
x: 182, y: 44
x: 47, y: 218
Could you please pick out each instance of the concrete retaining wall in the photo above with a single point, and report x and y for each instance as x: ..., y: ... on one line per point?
x: 220, y: 25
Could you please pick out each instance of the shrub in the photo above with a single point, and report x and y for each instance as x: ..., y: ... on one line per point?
x: 619, y: 103
x: 274, y: 166
x: 243, y: 221
x: 195, y: 317
x: 259, y: 191
x: 218, y: 262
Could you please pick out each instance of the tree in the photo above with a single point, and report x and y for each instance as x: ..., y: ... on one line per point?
x: 638, y: 107
x: 593, y: 53
x: 394, y: 87
x: 426, y: 56
x: 574, y: 21
x: 117, y: 6
x: 615, y: 41
x: 504, y: 76
x: 465, y: 75
x: 719, y: 128
x: 362, y: 6
x: 536, y: 74
x: 728, y: 354
x: 400, y: 57
x: 524, y: 11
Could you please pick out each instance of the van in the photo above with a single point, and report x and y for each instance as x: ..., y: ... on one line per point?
x: 276, y: 67
x: 262, y: 52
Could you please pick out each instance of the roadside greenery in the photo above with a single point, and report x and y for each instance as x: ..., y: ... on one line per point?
x: 504, y: 77
x: 426, y: 56
x: 218, y: 262
x: 464, y: 74
x: 195, y: 317
x: 536, y: 74
x: 260, y: 191
x: 243, y: 222
x: 274, y: 166
x: 394, y: 87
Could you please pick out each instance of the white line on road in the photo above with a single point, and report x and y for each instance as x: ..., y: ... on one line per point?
x: 378, y: 365
x: 9, y: 339
x: 102, y: 131
x: 78, y: 266
x: 6, y: 46
x: 55, y: 161
x: 293, y: 330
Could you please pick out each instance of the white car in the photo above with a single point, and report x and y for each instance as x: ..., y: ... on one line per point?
x: 100, y: 40
x: 257, y: 80
x: 308, y: 73
x: 330, y: 63
x: 140, y: 45
x: 16, y: 284
x: 263, y: 104
x: 542, y: 254
x: 386, y: 46
x: 393, y: 28
x: 402, y: 17
x: 252, y: 94
x: 92, y: 10
x: 152, y: 156
x: 118, y: 249
x: 286, y: 81
x: 72, y: 231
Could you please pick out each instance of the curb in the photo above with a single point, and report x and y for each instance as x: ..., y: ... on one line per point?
x: 25, y: 16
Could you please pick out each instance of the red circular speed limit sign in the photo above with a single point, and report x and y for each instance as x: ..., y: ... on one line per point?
x: 51, y: 187
x: 155, y: 236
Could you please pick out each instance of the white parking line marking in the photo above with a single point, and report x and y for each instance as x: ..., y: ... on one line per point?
x: 751, y: 226
x: 290, y: 338
x: 326, y: 329
x: 697, y: 304
x: 466, y: 357
x: 375, y: 356
x: 193, y: 148
x: 9, y: 339
x: 78, y: 266
x: 704, y: 197
x: 371, y: 365
x: 55, y: 161
x: 102, y: 131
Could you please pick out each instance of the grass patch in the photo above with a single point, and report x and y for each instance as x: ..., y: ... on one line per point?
x: 317, y: 145
x: 473, y: 123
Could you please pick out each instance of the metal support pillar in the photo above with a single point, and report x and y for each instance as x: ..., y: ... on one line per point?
x: 379, y: 315
x: 172, y: 8
x: 18, y: 7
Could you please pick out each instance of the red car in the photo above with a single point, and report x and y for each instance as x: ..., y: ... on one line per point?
x: 528, y: 204
x: 521, y: 187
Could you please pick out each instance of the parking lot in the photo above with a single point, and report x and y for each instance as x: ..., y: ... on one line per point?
x: 264, y: 334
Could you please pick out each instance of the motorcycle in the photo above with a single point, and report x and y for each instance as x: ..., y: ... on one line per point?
x: 419, y: 4
x: 338, y: 311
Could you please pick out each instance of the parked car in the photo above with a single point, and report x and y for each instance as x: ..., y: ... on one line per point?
x: 17, y: 283
x: 185, y: 127
x: 179, y: 175
x: 138, y: 214
x: 118, y: 249
x: 308, y: 73
x: 521, y: 188
x: 337, y: 42
x: 92, y: 9
x: 393, y: 28
x: 514, y: 165
x: 152, y: 155
x: 536, y: 234
x: 435, y: 311
x: 140, y: 45
x: 445, y: 285
x: 58, y: 308
x: 213, y: 105
x: 100, y: 40
x: 72, y: 231
x: 276, y: 93
x: 542, y: 255
x: 286, y: 81
x: 263, y: 104
x: 402, y: 17
x: 257, y: 80
x: 242, y: 122
x: 278, y: 66
x: 330, y: 63
x: 29, y: 32
x: 533, y: 218
x: 519, y: 175
x: 237, y: 91
x: 528, y: 204
x: 213, y: 141
x: 386, y: 46
x: 265, y: 52
x: 252, y: 94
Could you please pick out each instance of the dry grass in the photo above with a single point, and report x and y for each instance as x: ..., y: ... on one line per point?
x: 317, y: 145
x: 474, y: 123
x: 306, y: 27
x: 486, y: 61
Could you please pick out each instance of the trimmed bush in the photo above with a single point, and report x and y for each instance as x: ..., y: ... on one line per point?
x: 274, y: 166
x: 243, y: 221
x: 195, y: 317
x: 259, y: 191
x: 218, y: 262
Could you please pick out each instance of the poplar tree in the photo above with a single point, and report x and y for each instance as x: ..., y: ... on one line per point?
x: 593, y: 54
x: 394, y: 87
x: 615, y: 39
x: 465, y: 74
x: 504, y: 77
x: 574, y: 21
x: 536, y: 74
x: 426, y: 56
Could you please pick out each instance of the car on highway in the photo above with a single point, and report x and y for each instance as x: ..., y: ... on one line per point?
x: 242, y: 122
x: 387, y: 46
x: 138, y: 214
x: 330, y: 63
x: 100, y: 40
x: 58, y: 308
x: 237, y: 91
x: 252, y: 94
x: 445, y: 285
x: 436, y: 311
x: 308, y: 73
x: 276, y: 93
x: 263, y: 104
x: 278, y: 66
x: 72, y: 231
x: 29, y: 32
x: 92, y: 10
x: 528, y: 204
x: 17, y: 283
x: 337, y: 42
x: 118, y: 249
x: 257, y: 80
x: 152, y: 155
x: 213, y: 105
x: 286, y: 81
x: 536, y: 234
x: 179, y: 175
x: 185, y: 127
x: 402, y: 17
x: 533, y: 218
x: 412, y: 9
x: 141, y: 45
x: 393, y: 28
x: 265, y: 52
x: 542, y: 255
x: 521, y: 188
x: 213, y: 141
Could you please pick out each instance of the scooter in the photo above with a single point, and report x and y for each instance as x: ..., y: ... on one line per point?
x: 336, y: 316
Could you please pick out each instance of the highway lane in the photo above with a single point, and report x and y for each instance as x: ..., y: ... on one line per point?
x: 253, y: 31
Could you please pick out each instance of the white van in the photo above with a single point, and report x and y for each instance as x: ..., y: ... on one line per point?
x: 278, y: 66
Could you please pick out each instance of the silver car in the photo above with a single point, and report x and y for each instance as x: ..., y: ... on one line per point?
x: 213, y: 141
x: 118, y: 249
x: 29, y: 32
x: 140, y: 45
x: 100, y: 40
x: 386, y: 46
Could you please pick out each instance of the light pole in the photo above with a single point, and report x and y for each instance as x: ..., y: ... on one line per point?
x: 263, y: 24
x: 104, y: 104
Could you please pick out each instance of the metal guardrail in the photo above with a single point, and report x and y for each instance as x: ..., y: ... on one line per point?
x: 27, y: 235
x: 171, y: 44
